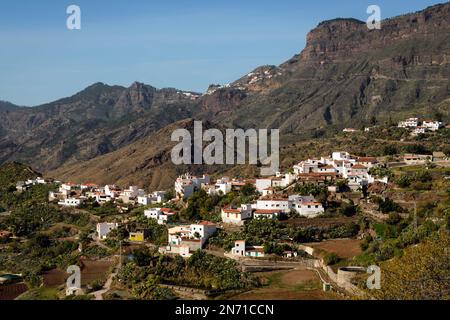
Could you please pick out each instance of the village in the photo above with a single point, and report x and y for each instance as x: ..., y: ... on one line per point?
x: 311, y: 209
x: 273, y: 203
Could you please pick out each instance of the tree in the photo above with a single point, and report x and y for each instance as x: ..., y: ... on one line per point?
x: 388, y: 205
x: 331, y: 259
x: 248, y: 190
x: 390, y: 150
x: 146, y: 290
x: 373, y: 120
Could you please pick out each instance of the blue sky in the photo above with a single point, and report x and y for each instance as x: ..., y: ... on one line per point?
x: 170, y: 43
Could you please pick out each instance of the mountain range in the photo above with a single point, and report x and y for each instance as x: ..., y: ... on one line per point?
x: 347, y: 76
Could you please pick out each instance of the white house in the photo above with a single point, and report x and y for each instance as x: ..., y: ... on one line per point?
x: 154, y: 197
x: 308, y: 166
x: 222, y: 186
x: 104, y: 228
x: 205, y: 229
x: 262, y: 184
x: 306, y: 206
x: 240, y: 249
x: 236, y: 216
x: 186, y: 185
x: 158, y: 196
x: 162, y: 215
x: 273, y: 203
x: 260, y: 214
x: 409, y: 123
x: 326, y: 168
x: 144, y: 200
x: 40, y: 180
x: 191, y: 236
x: 357, y: 169
x: 112, y: 191
x: 419, y: 130
x: 102, y: 198
x: 369, y: 162
x: 71, y: 202
x: 432, y: 125
x: 267, y: 192
x: 67, y: 186
x: 132, y: 192
x: 176, y: 234
x: 416, y: 159
x: 309, y: 209
x: 341, y: 156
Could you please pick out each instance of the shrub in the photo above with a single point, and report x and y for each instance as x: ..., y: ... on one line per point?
x: 331, y: 259
x: 404, y: 181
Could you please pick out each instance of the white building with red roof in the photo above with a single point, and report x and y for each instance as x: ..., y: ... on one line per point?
x: 192, y: 236
x: 237, y: 216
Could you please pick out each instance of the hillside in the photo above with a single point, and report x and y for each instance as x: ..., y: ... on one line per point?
x: 11, y: 172
x: 345, y: 76
x: 146, y: 163
x: 93, y: 122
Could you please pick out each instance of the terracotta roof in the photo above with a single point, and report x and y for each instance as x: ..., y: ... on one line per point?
x: 229, y: 210
x: 167, y: 210
x: 90, y: 184
x: 359, y: 166
x: 267, y: 211
x: 312, y: 203
x: 190, y: 240
x: 206, y: 223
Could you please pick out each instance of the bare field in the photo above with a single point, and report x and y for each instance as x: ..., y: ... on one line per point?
x: 299, y: 284
x: 90, y: 271
x: 344, y: 248
x: 94, y: 270
x: 12, y: 291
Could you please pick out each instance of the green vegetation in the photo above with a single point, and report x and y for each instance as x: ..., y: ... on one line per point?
x: 421, y: 273
x: 157, y: 234
x: 202, y: 206
x: 387, y: 205
x: 12, y: 172
x: 268, y: 233
x: 331, y: 259
x: 148, y: 270
x: 40, y: 253
x: 42, y: 293
x: 319, y: 192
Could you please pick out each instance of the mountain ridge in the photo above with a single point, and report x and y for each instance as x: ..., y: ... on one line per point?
x: 346, y: 75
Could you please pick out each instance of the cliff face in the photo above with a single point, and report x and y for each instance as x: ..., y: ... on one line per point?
x: 348, y: 74
x: 342, y: 39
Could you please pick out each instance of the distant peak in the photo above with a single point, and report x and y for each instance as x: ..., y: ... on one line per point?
x: 97, y: 85
x: 141, y: 86
x: 340, y: 21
